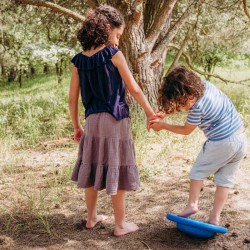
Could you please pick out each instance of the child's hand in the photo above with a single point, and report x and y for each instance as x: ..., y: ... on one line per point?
x: 160, y: 114
x: 150, y: 118
x: 78, y: 132
x: 156, y: 125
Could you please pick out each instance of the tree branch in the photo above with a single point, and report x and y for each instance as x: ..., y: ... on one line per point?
x: 189, y: 63
x: 246, y: 8
x: 180, y: 51
x: 158, y: 48
x: 55, y: 7
x: 163, y: 15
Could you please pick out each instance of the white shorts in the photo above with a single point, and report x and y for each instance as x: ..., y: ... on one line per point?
x: 221, y: 158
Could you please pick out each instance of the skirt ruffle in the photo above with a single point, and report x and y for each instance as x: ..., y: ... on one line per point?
x: 106, y: 155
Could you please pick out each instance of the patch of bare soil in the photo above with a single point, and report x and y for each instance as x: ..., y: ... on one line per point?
x: 62, y: 227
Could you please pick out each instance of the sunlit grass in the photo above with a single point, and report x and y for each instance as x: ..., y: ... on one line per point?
x: 32, y: 114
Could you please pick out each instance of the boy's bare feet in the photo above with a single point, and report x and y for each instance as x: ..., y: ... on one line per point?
x: 90, y: 224
x: 189, y: 210
x: 128, y: 228
x: 214, y: 220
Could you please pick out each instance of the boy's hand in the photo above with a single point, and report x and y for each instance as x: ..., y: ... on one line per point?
x: 156, y: 125
x: 78, y: 132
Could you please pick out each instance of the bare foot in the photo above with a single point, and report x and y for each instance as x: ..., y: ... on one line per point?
x: 128, y: 228
x: 214, y: 220
x: 189, y: 210
x: 90, y: 224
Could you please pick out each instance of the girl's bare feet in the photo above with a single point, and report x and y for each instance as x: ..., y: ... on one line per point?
x: 91, y: 223
x: 127, y: 228
x: 189, y: 210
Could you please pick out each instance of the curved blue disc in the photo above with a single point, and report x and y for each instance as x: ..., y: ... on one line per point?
x: 196, y: 228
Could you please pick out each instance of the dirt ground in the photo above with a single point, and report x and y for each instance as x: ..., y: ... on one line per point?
x: 165, y: 192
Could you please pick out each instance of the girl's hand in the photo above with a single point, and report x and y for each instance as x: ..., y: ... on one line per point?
x: 156, y: 125
x: 78, y: 132
x: 161, y: 115
x: 150, y: 118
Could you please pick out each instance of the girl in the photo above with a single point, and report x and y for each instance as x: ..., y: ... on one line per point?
x: 215, y: 115
x: 106, y: 157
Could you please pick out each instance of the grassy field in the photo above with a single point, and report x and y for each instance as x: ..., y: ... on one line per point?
x: 38, y: 153
x: 37, y: 114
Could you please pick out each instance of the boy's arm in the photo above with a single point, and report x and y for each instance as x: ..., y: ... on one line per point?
x: 186, y: 129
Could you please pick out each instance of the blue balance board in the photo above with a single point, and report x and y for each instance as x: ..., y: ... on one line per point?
x: 196, y: 228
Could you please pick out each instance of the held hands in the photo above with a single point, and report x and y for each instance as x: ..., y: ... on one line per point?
x: 155, y: 122
x: 156, y: 125
x: 78, y: 132
x: 150, y: 118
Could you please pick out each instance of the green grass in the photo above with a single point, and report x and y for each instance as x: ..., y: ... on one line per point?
x: 38, y: 111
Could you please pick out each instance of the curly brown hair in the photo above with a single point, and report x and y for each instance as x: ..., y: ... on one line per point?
x: 178, y: 88
x: 97, y: 25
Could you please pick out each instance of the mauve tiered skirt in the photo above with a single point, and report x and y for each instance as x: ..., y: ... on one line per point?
x: 106, y: 155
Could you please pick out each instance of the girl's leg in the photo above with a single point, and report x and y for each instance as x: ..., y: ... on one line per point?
x: 194, y: 192
x: 220, y: 198
x: 121, y: 227
x: 91, y: 200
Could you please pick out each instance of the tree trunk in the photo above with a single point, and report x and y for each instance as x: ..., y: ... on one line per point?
x: 59, y: 71
x: 12, y: 75
x: 32, y: 71
x: 146, y: 70
x: 20, y: 75
x: 139, y: 40
x: 3, y: 70
x: 46, y: 68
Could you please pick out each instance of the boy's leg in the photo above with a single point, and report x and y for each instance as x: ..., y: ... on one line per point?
x: 224, y: 178
x: 91, y: 201
x: 194, y: 192
x: 220, y: 198
x: 121, y: 227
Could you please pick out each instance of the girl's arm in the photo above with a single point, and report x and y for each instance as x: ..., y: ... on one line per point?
x: 73, y: 103
x: 134, y: 89
x: 186, y: 129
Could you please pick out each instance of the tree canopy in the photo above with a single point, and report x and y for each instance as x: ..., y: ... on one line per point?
x: 202, y: 32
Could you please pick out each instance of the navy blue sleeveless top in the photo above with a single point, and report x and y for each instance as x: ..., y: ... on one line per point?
x: 102, y: 88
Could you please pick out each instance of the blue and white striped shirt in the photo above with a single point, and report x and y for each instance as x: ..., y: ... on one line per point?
x: 214, y: 114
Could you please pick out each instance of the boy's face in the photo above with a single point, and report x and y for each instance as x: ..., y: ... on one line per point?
x: 183, y: 108
x: 188, y: 106
x: 115, y: 35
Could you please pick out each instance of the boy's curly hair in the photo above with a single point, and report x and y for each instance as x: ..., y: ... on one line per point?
x: 95, y: 30
x: 178, y: 87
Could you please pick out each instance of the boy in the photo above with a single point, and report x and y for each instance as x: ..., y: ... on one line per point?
x: 216, y: 116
